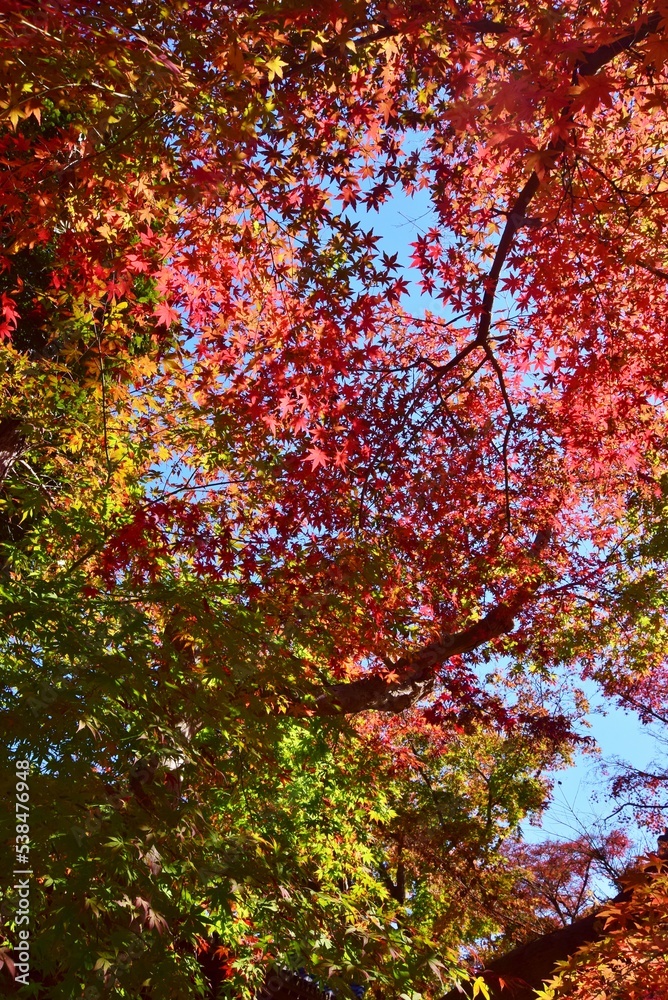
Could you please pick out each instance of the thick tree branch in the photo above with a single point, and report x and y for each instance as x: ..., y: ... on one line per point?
x: 596, y: 60
x: 418, y: 670
x: 658, y: 272
x: 522, y: 971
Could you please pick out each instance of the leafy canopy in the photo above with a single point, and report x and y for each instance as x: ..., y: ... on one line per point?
x: 263, y: 525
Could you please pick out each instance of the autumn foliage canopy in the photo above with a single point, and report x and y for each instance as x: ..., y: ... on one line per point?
x: 308, y: 540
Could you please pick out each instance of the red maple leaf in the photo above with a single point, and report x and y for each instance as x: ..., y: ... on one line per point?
x: 316, y: 457
x: 165, y: 315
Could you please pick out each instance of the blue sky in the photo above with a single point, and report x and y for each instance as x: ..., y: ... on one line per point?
x: 581, y: 793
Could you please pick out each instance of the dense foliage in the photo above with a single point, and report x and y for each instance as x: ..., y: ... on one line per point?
x: 304, y: 552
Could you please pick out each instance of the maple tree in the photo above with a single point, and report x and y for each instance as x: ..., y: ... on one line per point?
x: 267, y: 531
x: 556, y: 885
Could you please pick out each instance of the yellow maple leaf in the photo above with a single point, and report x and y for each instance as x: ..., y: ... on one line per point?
x: 275, y: 67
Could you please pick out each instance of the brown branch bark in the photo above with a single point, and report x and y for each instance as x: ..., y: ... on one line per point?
x: 418, y: 670
x: 658, y: 272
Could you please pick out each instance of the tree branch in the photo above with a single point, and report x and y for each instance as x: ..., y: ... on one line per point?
x: 12, y: 445
x: 516, y: 214
x: 596, y: 60
x: 417, y: 670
